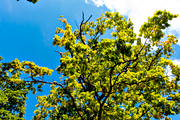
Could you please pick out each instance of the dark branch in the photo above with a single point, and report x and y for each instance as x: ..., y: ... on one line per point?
x: 156, y: 56
x: 66, y: 91
x: 124, y: 70
x: 82, y: 22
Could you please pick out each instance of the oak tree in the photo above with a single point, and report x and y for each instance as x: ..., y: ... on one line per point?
x: 107, y: 72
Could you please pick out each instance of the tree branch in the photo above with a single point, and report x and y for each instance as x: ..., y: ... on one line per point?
x: 82, y: 22
x: 111, y: 71
x: 66, y: 91
x: 158, y: 52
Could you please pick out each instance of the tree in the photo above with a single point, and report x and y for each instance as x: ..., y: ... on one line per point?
x: 33, y: 1
x: 116, y: 76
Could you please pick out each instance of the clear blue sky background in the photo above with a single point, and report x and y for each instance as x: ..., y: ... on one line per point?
x: 27, y: 30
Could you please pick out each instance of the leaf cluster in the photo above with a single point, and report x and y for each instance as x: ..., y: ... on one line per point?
x: 14, y: 87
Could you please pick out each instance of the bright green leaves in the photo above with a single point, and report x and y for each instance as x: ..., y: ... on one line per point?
x: 16, y: 68
x: 113, y: 74
x: 34, y: 70
x: 167, y: 45
x: 108, y: 72
x: 68, y: 37
x: 119, y: 76
x: 14, y: 87
x: 153, y: 28
x: 56, y: 105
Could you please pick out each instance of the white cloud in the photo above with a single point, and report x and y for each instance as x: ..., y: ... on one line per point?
x: 176, y: 62
x: 140, y: 10
x: 168, y: 69
x: 98, y: 2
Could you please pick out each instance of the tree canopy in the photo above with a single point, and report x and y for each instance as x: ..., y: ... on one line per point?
x: 107, y: 72
x: 33, y: 1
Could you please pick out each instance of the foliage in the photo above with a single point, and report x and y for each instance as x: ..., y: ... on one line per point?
x: 116, y: 76
x: 33, y: 1
x: 13, y: 89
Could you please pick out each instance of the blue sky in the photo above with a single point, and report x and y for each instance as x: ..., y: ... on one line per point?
x: 27, y: 30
